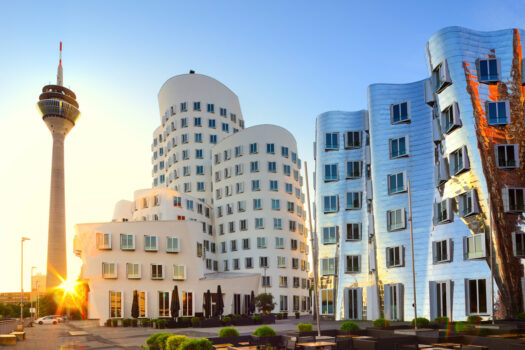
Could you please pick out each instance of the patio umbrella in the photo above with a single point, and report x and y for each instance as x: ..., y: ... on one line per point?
x: 175, y: 304
x: 135, y: 305
x: 207, y: 304
x: 219, y: 305
x: 252, y: 302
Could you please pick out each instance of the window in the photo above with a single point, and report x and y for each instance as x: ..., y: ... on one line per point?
x: 507, y: 156
x: 172, y: 245
x: 270, y: 148
x: 353, y: 263
x: 263, y: 261
x: 290, y: 207
x: 157, y: 271
x: 256, y: 186
x: 266, y: 281
x: 213, y: 139
x: 352, y: 139
x: 353, y: 170
x: 399, y: 113
x: 450, y: 119
x: 225, y: 127
x: 353, y: 232
x: 133, y: 271
x: 440, y: 299
x: 187, y: 304
x: 211, y: 108
x: 238, y: 151
x: 330, y: 204
x: 284, y: 152
x: 355, y: 303
x: 398, y: 147
x: 254, y: 166
x: 198, y: 137
x: 257, y: 204
x: 441, y: 77
x: 243, y: 225
x: 393, y: 301
x: 179, y: 272
x: 277, y: 224
x: 253, y: 148
x: 395, y: 256
x: 115, y: 304
x: 199, y: 250
x: 281, y: 261
x: 200, y: 187
x: 396, y: 219
x: 293, y: 244
x: 185, y: 154
x: 259, y: 223
x: 239, y: 169
x: 103, y: 240
x: 513, y: 199
x: 127, y: 242
x: 498, y: 112
x: 327, y: 301
x: 246, y: 243
x: 150, y: 243
x: 223, y: 112
x: 287, y: 170
x: 109, y: 270
x: 330, y: 234
x: 441, y: 251
x: 518, y: 244
x: 283, y: 282
x: 211, y: 123
x: 274, y: 185
x: 233, y: 245
x: 331, y: 141
x: 272, y: 167
x: 474, y: 246
x: 236, y: 264
x: 468, y: 203
x: 477, y: 296
x: 489, y: 70
x: 396, y: 183
x: 327, y: 266
x: 288, y: 188
x: 353, y: 200
x: 261, y: 242
x: 458, y: 161
x: 164, y: 304
x: 444, y: 211
x: 330, y: 172
x: 279, y: 242
x: 283, y: 302
x: 241, y: 206
x: 276, y: 204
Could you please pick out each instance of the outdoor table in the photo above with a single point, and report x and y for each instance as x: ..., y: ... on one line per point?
x: 222, y: 346
x: 324, y: 337
x: 317, y: 344
x: 504, y: 336
x: 363, y: 337
x: 244, y: 343
x: 447, y: 345
x: 250, y: 347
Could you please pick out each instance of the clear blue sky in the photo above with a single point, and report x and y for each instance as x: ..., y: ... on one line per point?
x: 287, y: 61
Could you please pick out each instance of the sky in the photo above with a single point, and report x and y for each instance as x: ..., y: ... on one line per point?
x: 286, y: 60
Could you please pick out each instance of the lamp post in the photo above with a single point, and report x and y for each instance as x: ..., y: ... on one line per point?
x: 23, y: 239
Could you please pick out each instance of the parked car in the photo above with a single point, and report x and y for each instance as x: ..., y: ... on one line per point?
x: 47, y: 320
x: 60, y: 318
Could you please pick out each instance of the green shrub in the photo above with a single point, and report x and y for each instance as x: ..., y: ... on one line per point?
x: 297, y: 314
x: 463, y: 327
x: 195, y: 320
x: 144, y: 322
x: 196, y: 344
x: 134, y: 322
x: 161, y: 323
x: 521, y: 316
x: 474, y: 319
x: 126, y: 322
x: 256, y: 318
x: 153, y: 341
x: 237, y: 316
x: 380, y: 322
x: 227, y: 319
x: 349, y: 326
x: 174, y: 341
x: 264, y: 331
x: 441, y: 319
x: 228, y: 332
x: 421, y: 322
x: 305, y: 327
x: 114, y: 322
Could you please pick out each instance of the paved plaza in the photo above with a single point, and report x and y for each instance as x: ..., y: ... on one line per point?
x: 89, y: 335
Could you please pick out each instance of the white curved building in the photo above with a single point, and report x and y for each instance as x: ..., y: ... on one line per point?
x: 196, y: 113
x: 259, y: 211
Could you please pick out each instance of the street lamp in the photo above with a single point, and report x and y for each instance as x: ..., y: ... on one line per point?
x: 23, y: 239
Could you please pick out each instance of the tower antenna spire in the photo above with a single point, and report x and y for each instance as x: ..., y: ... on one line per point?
x: 60, y: 74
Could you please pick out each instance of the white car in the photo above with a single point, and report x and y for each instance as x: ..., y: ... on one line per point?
x: 47, y: 320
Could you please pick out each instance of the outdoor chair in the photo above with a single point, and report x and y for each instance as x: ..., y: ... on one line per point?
x: 307, y: 339
x: 365, y: 344
x: 291, y: 344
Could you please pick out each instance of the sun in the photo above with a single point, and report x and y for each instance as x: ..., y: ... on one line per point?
x: 69, y: 287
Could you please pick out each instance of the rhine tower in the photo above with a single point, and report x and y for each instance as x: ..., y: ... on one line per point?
x: 59, y: 110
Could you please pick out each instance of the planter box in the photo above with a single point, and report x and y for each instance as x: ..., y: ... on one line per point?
x: 267, y: 319
x: 356, y: 332
x: 231, y: 340
x: 211, y: 322
x: 244, y: 321
x: 274, y: 340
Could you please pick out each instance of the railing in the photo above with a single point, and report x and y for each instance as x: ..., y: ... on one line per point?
x: 7, y: 326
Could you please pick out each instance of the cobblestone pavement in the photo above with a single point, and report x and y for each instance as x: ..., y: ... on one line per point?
x: 88, y: 335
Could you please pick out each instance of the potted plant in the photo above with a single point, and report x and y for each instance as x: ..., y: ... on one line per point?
x: 265, y: 335
x: 226, y: 320
x: 257, y: 319
x: 156, y: 341
x: 195, y: 321
x: 349, y: 327
x: 134, y: 322
x: 174, y: 341
x: 126, y: 322
x: 108, y: 322
x: 114, y: 322
x: 161, y: 323
x: 297, y: 315
x: 421, y: 322
x: 196, y: 344
x: 145, y: 322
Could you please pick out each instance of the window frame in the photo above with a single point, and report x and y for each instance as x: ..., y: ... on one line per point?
x: 391, y: 147
x: 401, y: 121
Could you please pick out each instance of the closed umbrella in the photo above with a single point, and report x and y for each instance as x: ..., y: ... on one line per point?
x: 207, y: 304
x: 252, y: 302
x: 175, y: 304
x: 219, y: 304
x: 135, y: 305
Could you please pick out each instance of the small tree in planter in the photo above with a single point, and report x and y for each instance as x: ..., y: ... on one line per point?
x: 305, y: 327
x: 134, y: 322
x: 474, y: 319
x: 126, y: 322
x: 266, y: 335
x: 380, y: 323
x: 114, y: 322
x: 521, y: 316
x: 264, y: 302
x: 174, y: 341
x: 228, y: 332
x: 226, y: 320
x: 421, y: 322
x: 257, y: 319
x: 195, y: 321
x: 297, y: 315
x: 154, y: 343
x: 196, y: 344
x: 349, y: 326
x: 145, y: 322
x: 161, y: 323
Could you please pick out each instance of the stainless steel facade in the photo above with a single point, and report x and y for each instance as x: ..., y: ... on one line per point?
x: 434, y: 133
